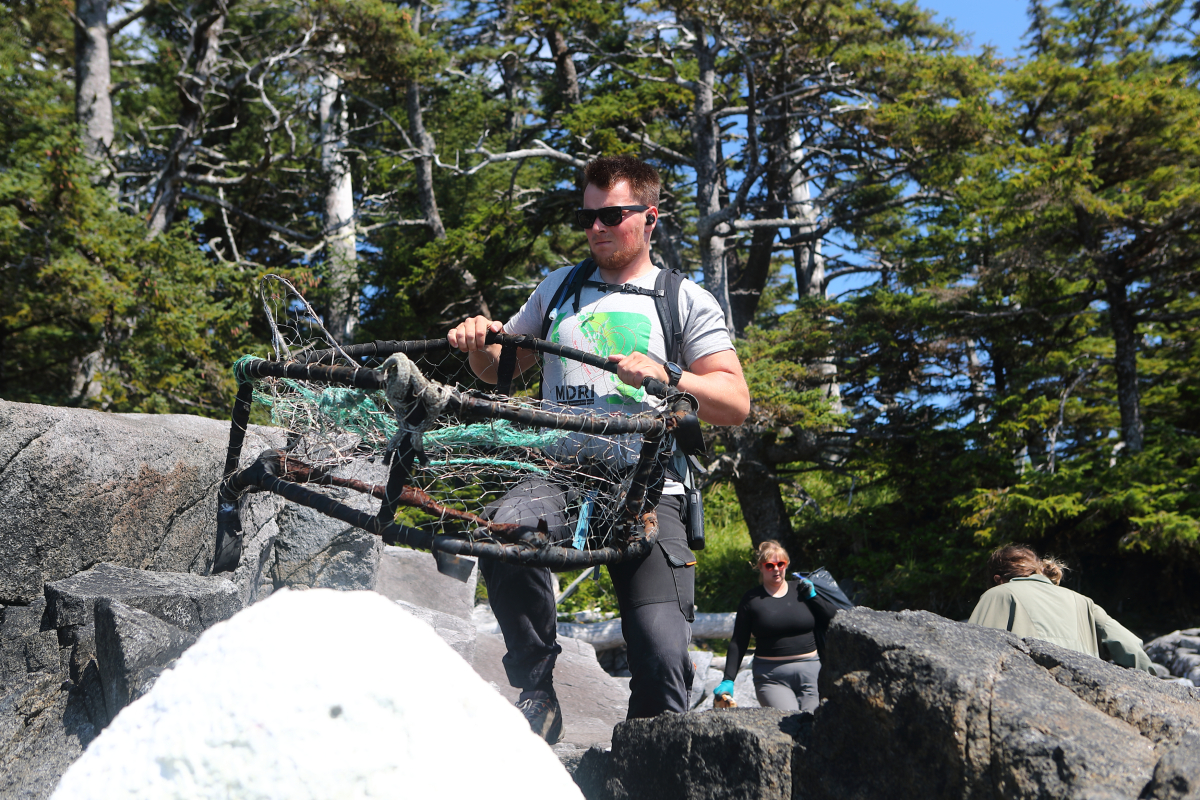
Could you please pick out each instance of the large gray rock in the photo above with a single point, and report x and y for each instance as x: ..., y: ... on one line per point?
x: 1177, y: 775
x: 132, y: 650
x: 28, y: 641
x: 592, y: 700
x: 412, y: 576
x: 457, y: 633
x: 190, y: 602
x: 1179, y: 652
x: 82, y: 487
x: 734, y: 753
x: 312, y: 550
x: 701, y: 662
x: 918, y: 706
x: 43, y: 729
x: 744, y: 695
x: 260, y: 528
x: 312, y: 553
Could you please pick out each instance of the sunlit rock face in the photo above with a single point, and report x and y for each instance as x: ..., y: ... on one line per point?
x: 318, y: 694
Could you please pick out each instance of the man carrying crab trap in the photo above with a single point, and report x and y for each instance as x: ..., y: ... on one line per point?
x: 651, y: 324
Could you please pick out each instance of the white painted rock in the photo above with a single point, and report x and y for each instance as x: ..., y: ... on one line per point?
x: 319, y: 694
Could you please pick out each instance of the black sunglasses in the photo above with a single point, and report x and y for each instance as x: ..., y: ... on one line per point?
x: 609, y: 215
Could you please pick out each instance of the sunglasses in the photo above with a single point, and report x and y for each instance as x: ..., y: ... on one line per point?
x: 775, y: 564
x: 609, y: 215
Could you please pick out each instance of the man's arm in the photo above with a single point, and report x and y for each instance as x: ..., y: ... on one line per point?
x: 715, y: 380
x: 470, y: 336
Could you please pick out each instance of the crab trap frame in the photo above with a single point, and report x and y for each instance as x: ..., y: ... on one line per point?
x: 442, y: 455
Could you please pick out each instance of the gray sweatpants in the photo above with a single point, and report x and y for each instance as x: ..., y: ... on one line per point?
x: 790, y: 685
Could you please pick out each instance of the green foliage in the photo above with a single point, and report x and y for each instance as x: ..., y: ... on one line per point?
x: 592, y: 594
x: 80, y: 281
x: 983, y: 377
x: 725, y: 567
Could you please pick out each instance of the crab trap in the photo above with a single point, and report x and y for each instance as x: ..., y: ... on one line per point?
x: 446, y: 447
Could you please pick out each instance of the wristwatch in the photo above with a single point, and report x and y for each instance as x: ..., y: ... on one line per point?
x: 674, y: 373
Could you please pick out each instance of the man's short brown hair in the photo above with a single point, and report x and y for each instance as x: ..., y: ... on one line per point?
x: 607, y: 171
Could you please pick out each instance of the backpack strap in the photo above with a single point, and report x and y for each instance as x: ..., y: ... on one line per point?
x: 667, y: 286
x: 572, y: 285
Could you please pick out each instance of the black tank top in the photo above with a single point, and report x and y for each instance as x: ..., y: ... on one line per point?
x: 781, y: 626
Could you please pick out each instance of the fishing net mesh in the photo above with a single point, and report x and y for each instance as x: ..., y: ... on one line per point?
x: 463, y: 466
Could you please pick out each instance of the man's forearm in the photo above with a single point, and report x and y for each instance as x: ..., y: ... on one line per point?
x: 723, y: 396
x: 483, y: 362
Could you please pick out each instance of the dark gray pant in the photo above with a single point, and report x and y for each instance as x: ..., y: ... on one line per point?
x: 655, y: 595
x: 790, y: 685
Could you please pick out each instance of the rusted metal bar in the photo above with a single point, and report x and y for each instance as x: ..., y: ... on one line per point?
x: 532, y: 550
x: 298, y: 472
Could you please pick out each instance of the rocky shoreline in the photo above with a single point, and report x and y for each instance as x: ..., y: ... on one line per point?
x: 107, y: 523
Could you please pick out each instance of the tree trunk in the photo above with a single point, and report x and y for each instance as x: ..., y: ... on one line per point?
x: 1124, y: 328
x: 564, y: 69
x: 748, y: 280
x: 340, y: 238
x: 757, y: 486
x: 426, y: 197
x: 194, y: 83
x: 978, y: 385
x: 810, y: 264
x: 93, y: 113
x: 664, y: 244
x: 706, y: 135
x: 93, y: 76
x: 510, y: 76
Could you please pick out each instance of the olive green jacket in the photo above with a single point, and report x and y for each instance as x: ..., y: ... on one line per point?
x: 1035, y: 607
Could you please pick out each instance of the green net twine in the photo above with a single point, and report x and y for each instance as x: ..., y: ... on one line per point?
x: 520, y: 466
x: 366, y: 414
x: 239, y: 368
x: 496, y: 434
x: 351, y: 410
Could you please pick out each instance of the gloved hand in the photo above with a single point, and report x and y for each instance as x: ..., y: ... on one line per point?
x: 807, y: 590
x: 724, y: 687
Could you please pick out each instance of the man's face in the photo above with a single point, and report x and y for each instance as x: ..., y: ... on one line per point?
x: 613, y: 247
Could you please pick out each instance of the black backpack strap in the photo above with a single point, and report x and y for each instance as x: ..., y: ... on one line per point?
x: 667, y: 286
x: 573, y: 284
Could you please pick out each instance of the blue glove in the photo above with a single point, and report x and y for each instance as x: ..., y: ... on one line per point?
x: 724, y: 687
x: 807, y: 590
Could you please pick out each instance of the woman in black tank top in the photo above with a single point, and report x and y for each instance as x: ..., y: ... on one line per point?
x: 783, y: 616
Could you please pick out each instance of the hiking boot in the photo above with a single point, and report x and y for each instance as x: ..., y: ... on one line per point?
x: 542, y: 712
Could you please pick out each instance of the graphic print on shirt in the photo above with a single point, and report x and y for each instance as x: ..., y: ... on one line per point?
x: 604, y: 333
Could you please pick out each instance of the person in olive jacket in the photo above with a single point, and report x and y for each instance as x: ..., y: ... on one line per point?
x: 1025, y: 599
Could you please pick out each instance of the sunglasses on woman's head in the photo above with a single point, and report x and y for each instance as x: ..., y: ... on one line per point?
x: 775, y: 564
x: 609, y: 215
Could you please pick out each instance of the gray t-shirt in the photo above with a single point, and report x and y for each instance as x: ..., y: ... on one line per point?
x: 615, y: 323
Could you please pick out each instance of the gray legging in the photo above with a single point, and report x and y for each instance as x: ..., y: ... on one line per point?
x: 790, y: 685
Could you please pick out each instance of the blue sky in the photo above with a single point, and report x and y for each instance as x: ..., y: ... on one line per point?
x: 997, y: 22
